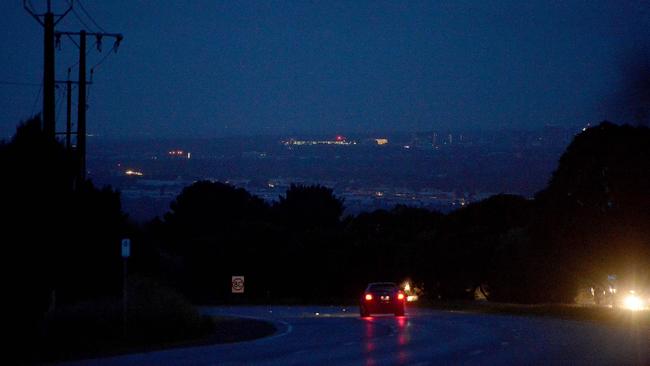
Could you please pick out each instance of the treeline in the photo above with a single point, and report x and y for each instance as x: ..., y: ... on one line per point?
x: 589, y: 222
x: 301, y: 249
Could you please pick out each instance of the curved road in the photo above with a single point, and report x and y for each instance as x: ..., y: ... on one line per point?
x: 337, y: 336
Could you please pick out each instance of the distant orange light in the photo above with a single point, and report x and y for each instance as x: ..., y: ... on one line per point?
x: 368, y: 297
x: 400, y: 296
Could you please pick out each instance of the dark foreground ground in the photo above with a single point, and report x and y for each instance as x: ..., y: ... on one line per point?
x: 227, y: 329
x: 337, y: 336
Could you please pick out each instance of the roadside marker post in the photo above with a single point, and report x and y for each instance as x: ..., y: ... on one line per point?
x: 126, y: 253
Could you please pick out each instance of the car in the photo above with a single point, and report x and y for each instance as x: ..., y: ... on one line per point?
x: 382, y: 298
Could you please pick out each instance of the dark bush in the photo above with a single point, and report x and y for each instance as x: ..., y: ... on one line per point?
x: 156, y: 315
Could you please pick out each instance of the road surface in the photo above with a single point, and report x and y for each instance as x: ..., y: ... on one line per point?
x: 337, y: 336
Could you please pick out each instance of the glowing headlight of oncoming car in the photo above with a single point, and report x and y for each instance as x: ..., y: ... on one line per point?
x: 633, y: 302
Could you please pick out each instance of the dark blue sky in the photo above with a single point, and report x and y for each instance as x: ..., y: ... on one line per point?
x: 214, y: 68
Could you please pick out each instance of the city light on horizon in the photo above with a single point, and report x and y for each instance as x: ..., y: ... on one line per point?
x: 132, y: 172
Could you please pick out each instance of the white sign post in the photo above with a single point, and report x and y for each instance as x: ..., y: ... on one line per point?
x: 126, y: 253
x: 126, y: 248
x: 237, y: 284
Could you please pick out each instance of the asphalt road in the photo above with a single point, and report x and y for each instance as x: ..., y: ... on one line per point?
x: 337, y: 336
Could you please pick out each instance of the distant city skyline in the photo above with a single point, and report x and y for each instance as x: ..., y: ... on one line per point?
x: 214, y: 69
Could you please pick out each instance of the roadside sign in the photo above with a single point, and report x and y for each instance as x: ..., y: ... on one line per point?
x: 126, y: 248
x: 237, y: 284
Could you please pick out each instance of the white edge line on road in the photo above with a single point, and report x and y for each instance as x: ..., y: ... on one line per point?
x: 288, y: 329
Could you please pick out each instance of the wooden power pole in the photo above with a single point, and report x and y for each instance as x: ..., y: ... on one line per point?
x: 49, y: 21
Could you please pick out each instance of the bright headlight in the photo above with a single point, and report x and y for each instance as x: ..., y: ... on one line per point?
x: 633, y: 302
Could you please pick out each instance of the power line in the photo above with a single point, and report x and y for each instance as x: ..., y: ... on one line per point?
x: 38, y: 94
x: 31, y: 6
x: 87, y: 52
x: 3, y: 82
x: 110, y: 52
x: 90, y: 17
x: 79, y: 17
x: 80, y: 20
x: 60, y: 97
x: 100, y: 62
x: 73, y: 41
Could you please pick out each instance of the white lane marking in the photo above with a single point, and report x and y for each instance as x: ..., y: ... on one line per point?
x: 288, y: 329
x: 476, y: 352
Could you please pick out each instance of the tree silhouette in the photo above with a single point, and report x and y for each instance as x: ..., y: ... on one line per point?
x: 308, y: 218
x: 308, y: 207
x: 206, y: 207
x: 594, y: 212
x: 472, y: 238
x: 391, y: 245
x: 216, y: 230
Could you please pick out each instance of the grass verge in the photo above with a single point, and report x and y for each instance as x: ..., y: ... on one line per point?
x: 603, y: 315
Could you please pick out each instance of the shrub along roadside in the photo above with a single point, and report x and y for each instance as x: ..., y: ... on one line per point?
x: 158, y: 317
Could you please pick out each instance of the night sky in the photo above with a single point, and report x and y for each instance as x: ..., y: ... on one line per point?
x: 220, y: 68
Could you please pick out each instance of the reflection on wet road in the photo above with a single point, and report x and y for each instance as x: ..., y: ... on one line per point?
x: 399, y: 334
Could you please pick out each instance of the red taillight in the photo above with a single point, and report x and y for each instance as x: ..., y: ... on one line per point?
x: 400, y: 296
x: 368, y: 297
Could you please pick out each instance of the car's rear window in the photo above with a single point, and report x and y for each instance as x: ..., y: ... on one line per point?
x: 382, y: 287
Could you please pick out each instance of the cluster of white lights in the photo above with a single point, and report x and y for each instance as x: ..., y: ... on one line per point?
x: 322, y: 142
x: 133, y: 172
x: 338, y: 140
x: 180, y: 153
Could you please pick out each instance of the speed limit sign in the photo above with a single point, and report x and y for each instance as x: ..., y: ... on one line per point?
x: 237, y: 284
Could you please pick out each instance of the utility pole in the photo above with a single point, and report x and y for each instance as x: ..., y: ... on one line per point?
x: 68, y: 116
x: 81, y: 108
x: 82, y: 103
x: 68, y: 124
x: 68, y: 129
x: 49, y: 22
x: 48, y: 73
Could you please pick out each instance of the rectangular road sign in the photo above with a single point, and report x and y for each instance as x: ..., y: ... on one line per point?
x: 237, y: 284
x: 126, y: 248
